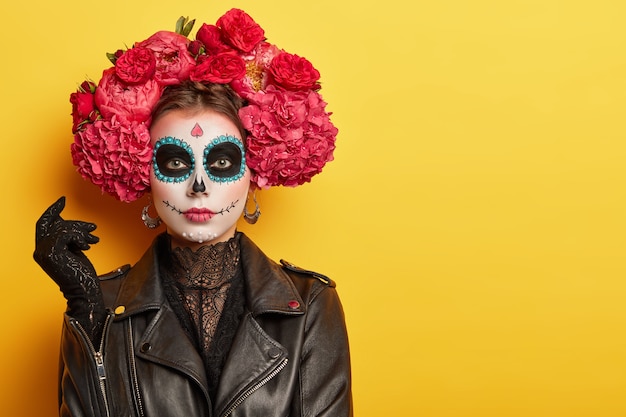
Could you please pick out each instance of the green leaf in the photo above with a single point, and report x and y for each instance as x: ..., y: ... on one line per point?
x: 180, y: 23
x: 184, y: 25
x: 188, y: 27
x: 111, y: 57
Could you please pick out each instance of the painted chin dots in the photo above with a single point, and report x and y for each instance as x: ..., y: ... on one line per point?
x: 200, y: 237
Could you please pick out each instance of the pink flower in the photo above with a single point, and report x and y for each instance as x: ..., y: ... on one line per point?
x: 129, y: 102
x: 293, y: 73
x: 173, y: 60
x: 114, y: 156
x: 211, y: 38
x: 291, y: 137
x: 239, y: 30
x: 135, y: 66
x: 257, y: 63
x: 83, y: 105
x: 221, y: 68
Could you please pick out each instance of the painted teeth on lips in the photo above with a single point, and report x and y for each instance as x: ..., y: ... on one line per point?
x: 198, y: 215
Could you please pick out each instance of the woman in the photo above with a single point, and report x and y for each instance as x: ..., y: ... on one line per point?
x: 204, y: 324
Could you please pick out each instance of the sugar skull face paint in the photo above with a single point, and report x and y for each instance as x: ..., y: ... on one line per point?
x: 199, y: 182
x: 172, y: 160
x: 223, y: 159
x: 197, y: 131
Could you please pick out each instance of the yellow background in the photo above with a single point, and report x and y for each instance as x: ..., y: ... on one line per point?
x: 474, y: 217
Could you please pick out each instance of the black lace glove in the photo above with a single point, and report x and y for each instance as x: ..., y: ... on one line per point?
x: 59, y: 246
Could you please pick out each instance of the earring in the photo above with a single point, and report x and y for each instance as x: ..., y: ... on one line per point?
x: 150, y: 222
x: 251, y: 217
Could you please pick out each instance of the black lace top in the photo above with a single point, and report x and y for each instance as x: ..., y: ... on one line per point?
x: 206, y: 291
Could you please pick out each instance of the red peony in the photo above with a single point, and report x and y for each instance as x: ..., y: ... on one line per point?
x: 114, y: 156
x: 291, y: 137
x: 211, y: 38
x: 221, y: 68
x: 173, y: 60
x: 136, y: 66
x: 83, y: 105
x: 294, y: 73
x: 239, y: 30
x: 129, y: 102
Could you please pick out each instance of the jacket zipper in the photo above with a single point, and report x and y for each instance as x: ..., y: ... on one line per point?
x: 258, y: 385
x: 98, y: 358
x: 133, y: 369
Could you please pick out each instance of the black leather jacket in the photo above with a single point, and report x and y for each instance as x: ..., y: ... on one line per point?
x: 289, y: 357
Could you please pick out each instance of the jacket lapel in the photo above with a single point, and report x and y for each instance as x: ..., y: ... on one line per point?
x: 163, y: 340
x: 255, y: 357
x: 268, y: 288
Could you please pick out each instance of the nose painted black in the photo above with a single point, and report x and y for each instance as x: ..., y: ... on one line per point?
x: 198, y: 187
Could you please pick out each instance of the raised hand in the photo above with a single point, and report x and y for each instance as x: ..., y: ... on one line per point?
x: 59, y: 246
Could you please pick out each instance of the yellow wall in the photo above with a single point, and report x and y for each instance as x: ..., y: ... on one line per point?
x: 474, y: 217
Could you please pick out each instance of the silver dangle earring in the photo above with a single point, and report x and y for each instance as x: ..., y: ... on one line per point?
x: 150, y: 222
x: 251, y: 217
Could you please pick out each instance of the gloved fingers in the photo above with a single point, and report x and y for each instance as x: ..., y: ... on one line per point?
x: 85, y: 229
x: 49, y: 217
x: 77, y: 235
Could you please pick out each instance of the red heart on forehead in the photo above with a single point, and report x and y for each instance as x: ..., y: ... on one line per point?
x: 197, y: 131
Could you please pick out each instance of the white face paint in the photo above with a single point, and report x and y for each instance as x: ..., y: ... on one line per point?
x: 198, y: 177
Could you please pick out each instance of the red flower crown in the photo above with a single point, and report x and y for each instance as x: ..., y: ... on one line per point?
x: 290, y: 135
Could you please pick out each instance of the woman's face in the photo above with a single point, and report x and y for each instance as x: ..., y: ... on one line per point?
x: 198, y: 176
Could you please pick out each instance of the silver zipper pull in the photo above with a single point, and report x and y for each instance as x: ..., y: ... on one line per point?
x: 100, y: 365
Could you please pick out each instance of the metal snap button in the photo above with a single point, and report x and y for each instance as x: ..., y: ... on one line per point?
x: 274, y: 352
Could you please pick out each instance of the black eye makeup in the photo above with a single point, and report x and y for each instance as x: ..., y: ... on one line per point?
x: 224, y: 159
x: 172, y: 160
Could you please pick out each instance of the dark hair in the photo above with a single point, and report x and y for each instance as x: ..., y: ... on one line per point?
x: 195, y: 96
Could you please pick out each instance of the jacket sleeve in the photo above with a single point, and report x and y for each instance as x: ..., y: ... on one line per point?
x: 325, y: 380
x: 81, y: 378
x: 80, y: 389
